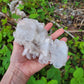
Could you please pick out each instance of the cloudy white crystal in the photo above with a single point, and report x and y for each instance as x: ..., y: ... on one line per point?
x: 58, y: 53
x: 32, y: 35
x: 14, y: 8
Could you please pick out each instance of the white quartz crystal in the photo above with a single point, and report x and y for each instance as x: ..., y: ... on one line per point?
x: 14, y: 8
x: 58, y: 51
x: 32, y: 35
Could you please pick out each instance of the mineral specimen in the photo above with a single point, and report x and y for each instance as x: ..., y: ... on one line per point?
x: 31, y: 34
x: 14, y: 8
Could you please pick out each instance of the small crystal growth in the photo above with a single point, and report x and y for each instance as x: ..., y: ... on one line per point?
x: 31, y: 34
x: 14, y: 8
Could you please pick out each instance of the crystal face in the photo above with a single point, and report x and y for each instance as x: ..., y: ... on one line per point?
x: 31, y: 34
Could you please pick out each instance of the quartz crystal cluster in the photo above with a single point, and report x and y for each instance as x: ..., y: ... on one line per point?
x: 37, y: 44
x: 14, y: 8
